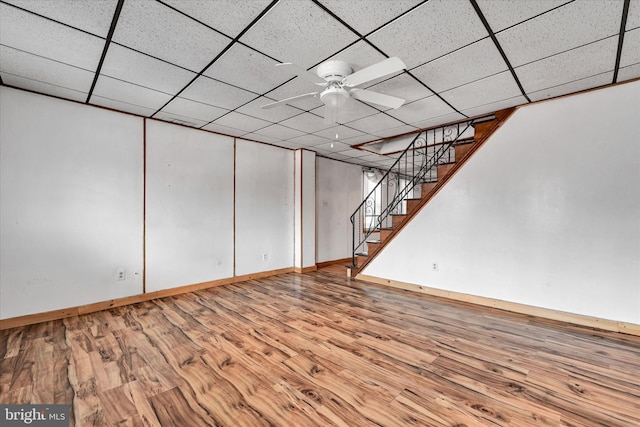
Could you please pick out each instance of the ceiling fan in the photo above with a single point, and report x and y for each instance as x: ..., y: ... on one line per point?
x: 339, y: 81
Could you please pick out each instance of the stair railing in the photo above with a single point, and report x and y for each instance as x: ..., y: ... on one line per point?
x: 415, y: 165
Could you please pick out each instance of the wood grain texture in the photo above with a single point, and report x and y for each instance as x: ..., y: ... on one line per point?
x: 318, y: 349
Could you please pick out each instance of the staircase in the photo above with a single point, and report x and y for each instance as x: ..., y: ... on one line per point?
x: 419, y: 172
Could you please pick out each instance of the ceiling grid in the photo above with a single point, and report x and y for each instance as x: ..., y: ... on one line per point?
x: 211, y: 65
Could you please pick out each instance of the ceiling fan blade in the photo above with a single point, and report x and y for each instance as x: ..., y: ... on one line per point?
x: 330, y: 114
x: 284, y: 101
x: 377, y: 98
x: 302, y: 73
x: 372, y: 72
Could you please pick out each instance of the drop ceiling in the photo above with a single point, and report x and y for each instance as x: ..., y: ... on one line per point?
x: 209, y: 64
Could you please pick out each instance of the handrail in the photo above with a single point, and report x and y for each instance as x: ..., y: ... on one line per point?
x: 416, y: 164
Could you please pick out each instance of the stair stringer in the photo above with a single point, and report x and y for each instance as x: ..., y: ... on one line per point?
x: 483, y: 133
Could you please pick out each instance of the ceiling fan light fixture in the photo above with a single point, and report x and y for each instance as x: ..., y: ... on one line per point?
x: 334, y: 97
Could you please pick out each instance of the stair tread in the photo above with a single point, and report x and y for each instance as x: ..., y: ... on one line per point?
x: 362, y: 254
x: 373, y: 241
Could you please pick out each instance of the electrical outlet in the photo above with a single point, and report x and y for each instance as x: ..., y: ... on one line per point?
x: 434, y: 266
x: 265, y: 256
x: 121, y: 274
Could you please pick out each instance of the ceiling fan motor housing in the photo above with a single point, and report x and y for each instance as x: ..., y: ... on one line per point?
x: 334, y: 71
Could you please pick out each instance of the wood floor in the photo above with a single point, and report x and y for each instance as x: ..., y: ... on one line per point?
x: 318, y: 350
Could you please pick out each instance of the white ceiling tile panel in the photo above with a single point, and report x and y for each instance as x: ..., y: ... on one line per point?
x: 213, y: 92
x: 395, y: 131
x: 447, y: 118
x: 155, y: 29
x: 495, y: 106
x: 122, y: 106
x: 179, y: 119
x: 309, y: 140
x: 490, y: 89
x: 373, y: 124
x: 565, y: 67
x: 343, y: 132
x: 194, y: 110
x: 452, y: 23
x: 332, y: 147
x: 242, y: 122
x: 280, y: 132
x: 297, y: 87
x: 39, y: 69
x: 261, y: 138
x: 254, y: 108
x: 505, y: 13
x: 24, y: 31
x: 367, y: 15
x: 225, y: 130
x: 352, y: 153
x: 129, y: 93
x: 298, y: 31
x: 633, y: 16
x: 306, y: 122
x: 94, y: 16
x: 574, y: 86
x: 227, y: 16
x: 134, y: 67
x: 244, y: 67
x: 40, y: 87
x: 422, y: 109
x: 629, y: 72
x: 630, y: 48
x: 353, y: 110
x: 403, y: 86
x: 334, y: 156
x: 359, y: 56
x: 570, y: 26
x: 453, y: 69
x: 359, y: 139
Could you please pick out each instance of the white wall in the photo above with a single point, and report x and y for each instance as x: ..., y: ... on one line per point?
x: 264, y: 207
x: 305, y: 208
x: 189, y: 209
x: 71, y: 203
x: 547, y: 213
x: 338, y: 194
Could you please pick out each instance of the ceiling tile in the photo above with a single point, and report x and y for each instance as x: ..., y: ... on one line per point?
x: 225, y: 130
x: 289, y: 144
x: 40, y: 87
x: 51, y: 40
x: 128, y: 65
x: 574, y: 86
x: 332, y: 147
x: 352, y: 153
x: 298, y: 31
x: 422, y: 109
x: 334, y: 156
x: 280, y: 132
x: 129, y: 93
x: 155, y: 29
x: 282, y: 112
x: 495, y: 106
x: 122, y: 106
x: 306, y: 122
x: 630, y: 48
x: 403, y: 86
x: 261, y: 138
x: 359, y: 139
x: 633, y: 15
x: 378, y: 12
x: 179, y: 119
x: 439, y: 120
x: 94, y: 16
x: 340, y: 130
x: 227, y: 16
x: 246, y: 68
x: 360, y: 55
x: 490, y: 89
x: 194, y: 110
x: 452, y: 23
x: 296, y: 87
x: 565, y: 67
x: 570, y: 26
x: 309, y: 140
x: 39, y: 69
x: 629, y: 72
x: 395, y: 131
x: 213, y: 92
x: 352, y: 110
x: 242, y: 122
x: 373, y: 124
x: 453, y: 69
x: 505, y: 13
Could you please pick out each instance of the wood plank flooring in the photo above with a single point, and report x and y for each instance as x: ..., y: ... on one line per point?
x: 320, y: 350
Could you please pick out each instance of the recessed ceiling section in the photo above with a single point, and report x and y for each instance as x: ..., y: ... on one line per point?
x: 298, y: 31
x: 155, y: 29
